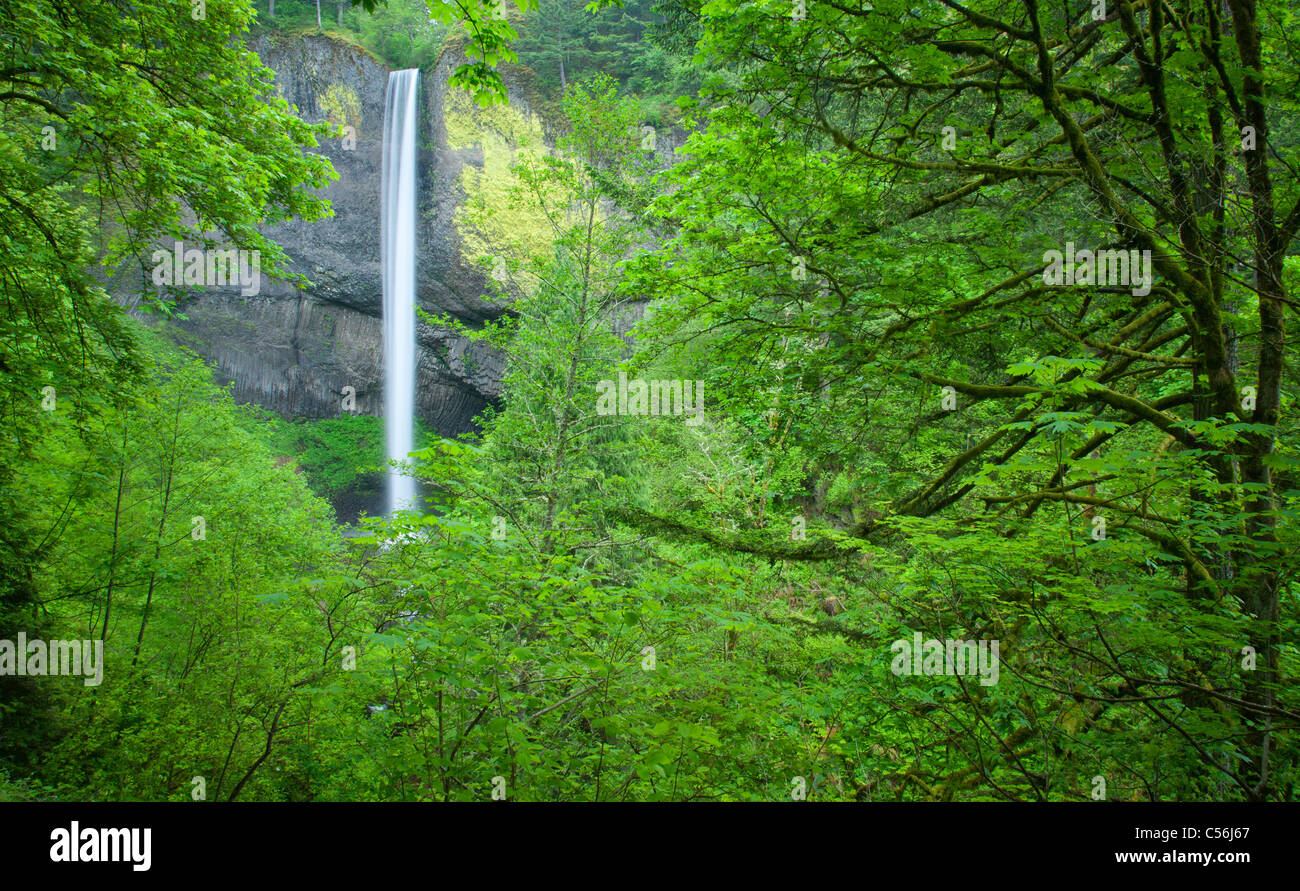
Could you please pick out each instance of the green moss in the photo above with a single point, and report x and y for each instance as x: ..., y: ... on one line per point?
x: 277, y: 32
x: 335, y: 454
x: 332, y: 452
x: 498, y: 218
x: 341, y: 105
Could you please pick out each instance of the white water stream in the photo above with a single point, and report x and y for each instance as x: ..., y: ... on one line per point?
x: 397, y: 244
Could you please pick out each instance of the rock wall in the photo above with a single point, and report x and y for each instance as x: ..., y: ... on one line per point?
x: 295, y: 351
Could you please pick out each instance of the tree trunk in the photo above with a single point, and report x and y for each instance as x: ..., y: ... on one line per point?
x: 117, y: 526
x: 1260, y: 579
x: 559, y: 44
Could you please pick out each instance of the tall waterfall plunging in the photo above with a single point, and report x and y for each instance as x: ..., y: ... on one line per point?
x: 397, y: 244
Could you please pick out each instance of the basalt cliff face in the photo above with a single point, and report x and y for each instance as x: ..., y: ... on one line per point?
x: 296, y: 350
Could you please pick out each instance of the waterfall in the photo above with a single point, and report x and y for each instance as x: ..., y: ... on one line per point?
x: 397, y: 245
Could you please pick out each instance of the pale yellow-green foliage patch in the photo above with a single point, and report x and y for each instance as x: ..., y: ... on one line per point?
x: 501, y: 216
x: 342, y: 105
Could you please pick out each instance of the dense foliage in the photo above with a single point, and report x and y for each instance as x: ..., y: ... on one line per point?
x: 902, y: 424
x: 559, y: 41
